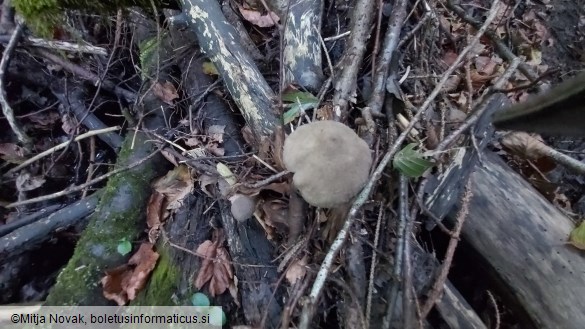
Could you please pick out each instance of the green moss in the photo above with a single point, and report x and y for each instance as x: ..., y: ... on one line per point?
x: 148, y: 51
x: 119, y: 215
x: 162, y: 284
x: 43, y: 16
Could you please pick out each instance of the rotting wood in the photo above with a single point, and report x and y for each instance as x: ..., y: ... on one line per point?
x: 247, y: 86
x: 523, y: 238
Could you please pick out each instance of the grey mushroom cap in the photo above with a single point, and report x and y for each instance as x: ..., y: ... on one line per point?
x: 330, y: 162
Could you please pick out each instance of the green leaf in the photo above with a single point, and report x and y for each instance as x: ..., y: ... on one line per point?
x: 577, y: 236
x: 411, y: 163
x: 299, y: 96
x: 124, y: 247
x: 299, y: 101
x: 200, y: 299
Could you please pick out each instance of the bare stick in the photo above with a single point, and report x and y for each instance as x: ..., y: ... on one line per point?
x: 309, y: 307
x: 483, y: 106
x: 398, y: 260
x: 345, y: 82
x: 437, y: 288
x: 6, y: 109
x: 61, y: 146
x: 82, y: 186
x: 373, y: 267
x: 390, y: 42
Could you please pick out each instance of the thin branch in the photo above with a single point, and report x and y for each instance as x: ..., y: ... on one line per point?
x: 59, y: 147
x: 81, y: 187
x: 439, y: 284
x: 6, y: 109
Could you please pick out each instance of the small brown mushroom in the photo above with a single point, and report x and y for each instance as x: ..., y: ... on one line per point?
x: 330, y: 162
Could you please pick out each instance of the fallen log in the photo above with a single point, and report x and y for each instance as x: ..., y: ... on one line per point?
x: 520, y: 235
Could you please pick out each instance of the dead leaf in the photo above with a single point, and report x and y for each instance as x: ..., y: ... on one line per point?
x: 113, y: 284
x: 155, y: 211
x: 123, y: 283
x: 206, y: 180
x: 524, y: 144
x: 175, y: 186
x: 69, y: 125
x: 44, y: 120
x: 145, y: 260
x: 267, y: 20
x: 192, y: 142
x: 165, y: 91
x: 233, y: 288
x: 171, y: 158
x: 26, y: 182
x: 296, y: 270
x: 12, y: 153
x: 216, y: 265
x: 215, y: 149
x: 216, y: 132
x: 276, y: 213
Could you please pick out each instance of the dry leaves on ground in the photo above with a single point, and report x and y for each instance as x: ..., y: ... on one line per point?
x: 216, y: 265
x: 123, y: 283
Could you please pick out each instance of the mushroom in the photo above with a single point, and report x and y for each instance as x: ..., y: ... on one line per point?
x: 330, y: 162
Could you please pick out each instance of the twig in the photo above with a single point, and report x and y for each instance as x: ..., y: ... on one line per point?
x: 437, y: 289
x: 496, y: 311
x: 483, y: 106
x: 309, y: 307
x: 81, y: 187
x: 408, y: 298
x: 268, y: 180
x: 59, y: 147
x: 373, y: 267
x: 346, y: 81
x: 61, y: 45
x: 85, y: 74
x: 6, y: 109
x: 398, y: 261
x: 418, y: 26
x: 390, y: 42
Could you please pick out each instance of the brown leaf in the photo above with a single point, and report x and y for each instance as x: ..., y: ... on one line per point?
x: 217, y: 272
x: 165, y: 91
x: 44, y: 120
x: 113, y: 281
x: 524, y: 144
x: 145, y: 260
x: 175, y: 186
x: 171, y: 158
x: 296, y: 270
x: 267, y: 20
x: 154, y: 210
x: 276, y: 213
x: 207, y: 250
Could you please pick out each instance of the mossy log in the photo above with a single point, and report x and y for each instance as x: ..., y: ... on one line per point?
x: 121, y: 211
